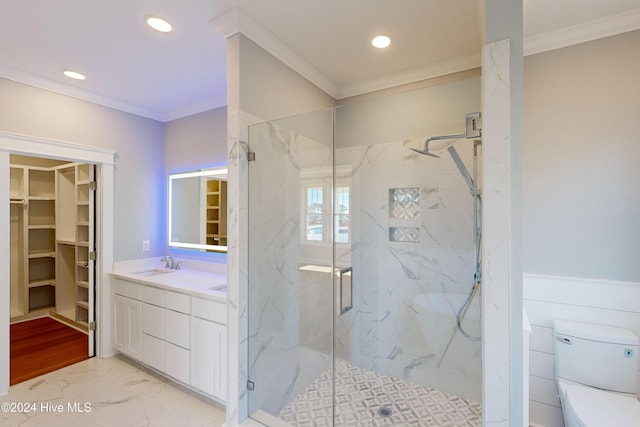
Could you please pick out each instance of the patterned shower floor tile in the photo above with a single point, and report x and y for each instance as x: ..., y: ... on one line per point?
x: 361, y: 395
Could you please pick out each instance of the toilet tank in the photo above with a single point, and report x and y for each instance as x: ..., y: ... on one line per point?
x: 599, y: 356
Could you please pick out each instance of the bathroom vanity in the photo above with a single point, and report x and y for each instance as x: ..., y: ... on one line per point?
x: 174, y: 321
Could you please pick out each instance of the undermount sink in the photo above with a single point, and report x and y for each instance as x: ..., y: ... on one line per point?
x: 219, y: 288
x: 153, y: 272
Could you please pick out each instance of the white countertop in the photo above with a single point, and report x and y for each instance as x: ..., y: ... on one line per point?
x: 199, y: 283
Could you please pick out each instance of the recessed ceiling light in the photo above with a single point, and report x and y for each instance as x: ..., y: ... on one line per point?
x: 74, y: 75
x: 381, y: 42
x: 159, y: 24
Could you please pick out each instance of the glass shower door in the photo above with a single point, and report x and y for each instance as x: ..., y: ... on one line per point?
x: 290, y: 268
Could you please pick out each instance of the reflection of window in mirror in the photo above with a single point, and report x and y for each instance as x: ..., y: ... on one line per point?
x: 197, y: 211
x: 316, y: 198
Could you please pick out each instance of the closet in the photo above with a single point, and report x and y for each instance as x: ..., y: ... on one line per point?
x: 51, y: 237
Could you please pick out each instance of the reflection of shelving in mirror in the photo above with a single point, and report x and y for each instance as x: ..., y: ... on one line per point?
x: 197, y: 210
x: 216, y: 213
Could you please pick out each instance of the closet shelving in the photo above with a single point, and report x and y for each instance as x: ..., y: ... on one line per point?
x: 50, y: 241
x: 17, y: 235
x: 83, y: 241
x: 41, y: 230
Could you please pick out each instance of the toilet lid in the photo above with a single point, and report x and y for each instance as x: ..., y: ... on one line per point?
x: 588, y: 407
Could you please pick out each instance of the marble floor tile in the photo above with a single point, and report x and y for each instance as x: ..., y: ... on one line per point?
x: 111, y: 392
x: 364, y: 398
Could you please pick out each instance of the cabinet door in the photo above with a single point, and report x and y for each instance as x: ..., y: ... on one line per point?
x: 153, y: 351
x: 203, y: 355
x: 220, y: 362
x: 120, y: 335
x: 176, y: 362
x: 176, y: 328
x: 153, y: 320
x: 127, y: 332
x: 134, y: 328
x: 209, y: 357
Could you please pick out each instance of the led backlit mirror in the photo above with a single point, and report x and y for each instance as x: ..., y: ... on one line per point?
x: 198, y: 210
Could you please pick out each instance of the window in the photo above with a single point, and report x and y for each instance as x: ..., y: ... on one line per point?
x: 342, y: 215
x: 316, y: 204
x: 314, y: 213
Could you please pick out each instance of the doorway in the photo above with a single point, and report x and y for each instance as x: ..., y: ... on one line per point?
x: 52, y: 264
x: 104, y: 159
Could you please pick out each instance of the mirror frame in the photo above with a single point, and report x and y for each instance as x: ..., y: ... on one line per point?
x: 195, y: 174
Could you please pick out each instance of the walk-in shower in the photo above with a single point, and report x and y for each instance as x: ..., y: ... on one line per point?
x: 360, y: 254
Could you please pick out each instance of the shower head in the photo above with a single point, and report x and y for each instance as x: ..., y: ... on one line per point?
x: 425, y: 150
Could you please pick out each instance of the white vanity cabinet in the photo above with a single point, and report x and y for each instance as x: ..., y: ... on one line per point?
x: 166, y: 331
x: 181, y: 335
x: 209, y: 347
x: 177, y: 328
x: 153, y: 327
x: 127, y: 321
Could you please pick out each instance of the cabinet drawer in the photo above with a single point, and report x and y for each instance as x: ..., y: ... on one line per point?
x: 153, y: 320
x: 127, y: 289
x: 153, y: 352
x: 153, y: 295
x: 177, y: 328
x: 177, y: 302
x: 210, y: 310
x: 176, y: 362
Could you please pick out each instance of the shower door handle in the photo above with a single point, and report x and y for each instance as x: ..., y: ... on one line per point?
x: 345, y: 290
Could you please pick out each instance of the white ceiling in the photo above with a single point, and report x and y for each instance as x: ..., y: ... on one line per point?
x: 166, y: 76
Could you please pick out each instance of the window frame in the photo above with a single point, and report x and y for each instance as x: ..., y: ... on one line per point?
x: 319, y: 178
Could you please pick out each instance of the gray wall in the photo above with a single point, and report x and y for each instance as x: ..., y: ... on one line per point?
x: 582, y: 178
x: 139, y: 171
x: 191, y: 143
x: 196, y: 142
x: 270, y: 89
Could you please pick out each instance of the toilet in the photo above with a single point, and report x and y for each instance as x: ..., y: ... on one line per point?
x: 596, y: 371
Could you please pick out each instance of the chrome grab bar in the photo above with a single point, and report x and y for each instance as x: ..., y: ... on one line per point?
x: 345, y: 289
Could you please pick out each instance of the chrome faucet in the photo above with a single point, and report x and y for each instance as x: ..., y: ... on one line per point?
x: 169, y: 262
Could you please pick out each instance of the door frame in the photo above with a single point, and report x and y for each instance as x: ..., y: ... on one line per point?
x: 104, y: 159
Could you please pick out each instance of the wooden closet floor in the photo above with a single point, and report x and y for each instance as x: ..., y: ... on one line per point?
x: 44, y: 345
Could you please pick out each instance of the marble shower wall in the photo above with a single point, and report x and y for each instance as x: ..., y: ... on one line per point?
x: 390, y: 334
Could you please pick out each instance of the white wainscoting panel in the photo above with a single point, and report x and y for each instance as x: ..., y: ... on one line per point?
x: 547, y: 298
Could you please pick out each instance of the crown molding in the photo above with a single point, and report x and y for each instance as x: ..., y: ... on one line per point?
x: 588, y: 31
x: 65, y: 150
x: 237, y: 21
x: 74, y: 92
x: 85, y: 95
x: 198, y: 107
x: 412, y: 75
